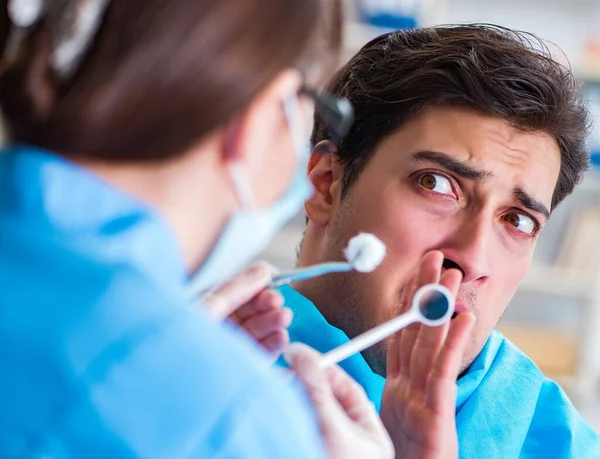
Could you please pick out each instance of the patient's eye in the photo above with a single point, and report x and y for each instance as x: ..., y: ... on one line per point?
x: 437, y: 183
x: 522, y: 222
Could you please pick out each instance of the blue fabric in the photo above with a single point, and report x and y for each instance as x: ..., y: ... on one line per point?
x: 310, y: 327
x: 100, y: 354
x: 505, y: 407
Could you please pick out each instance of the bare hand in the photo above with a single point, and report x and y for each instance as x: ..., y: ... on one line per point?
x: 349, y: 423
x: 246, y: 301
x: 418, y: 404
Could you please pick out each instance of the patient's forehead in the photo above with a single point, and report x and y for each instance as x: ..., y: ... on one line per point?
x: 512, y: 157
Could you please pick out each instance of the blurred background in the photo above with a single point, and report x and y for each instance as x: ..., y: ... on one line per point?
x: 555, y: 315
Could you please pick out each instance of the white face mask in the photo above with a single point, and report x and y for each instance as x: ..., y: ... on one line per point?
x: 249, y: 230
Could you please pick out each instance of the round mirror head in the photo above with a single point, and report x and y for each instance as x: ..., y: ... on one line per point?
x: 434, y: 303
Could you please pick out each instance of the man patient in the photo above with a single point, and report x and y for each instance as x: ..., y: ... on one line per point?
x: 466, y: 138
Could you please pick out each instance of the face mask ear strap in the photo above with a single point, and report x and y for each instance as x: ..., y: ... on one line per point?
x: 241, y: 182
x: 242, y: 186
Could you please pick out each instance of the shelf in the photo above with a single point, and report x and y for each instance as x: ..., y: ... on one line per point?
x: 553, y: 352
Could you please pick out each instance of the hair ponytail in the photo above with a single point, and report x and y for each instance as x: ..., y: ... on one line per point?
x: 155, y: 80
x: 27, y: 82
x: 5, y: 26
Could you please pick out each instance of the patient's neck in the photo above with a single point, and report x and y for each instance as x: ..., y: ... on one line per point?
x: 315, y: 289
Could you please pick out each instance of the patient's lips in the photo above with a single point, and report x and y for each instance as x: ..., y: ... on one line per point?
x: 465, y: 300
x: 459, y: 307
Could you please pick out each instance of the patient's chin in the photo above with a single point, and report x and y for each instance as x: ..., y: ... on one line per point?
x: 376, y: 358
x: 471, y: 353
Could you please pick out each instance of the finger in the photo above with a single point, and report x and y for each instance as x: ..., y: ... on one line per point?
x: 430, y: 339
x: 451, y: 279
x: 352, y: 398
x: 441, y: 383
x: 263, y: 324
x: 306, y: 363
x: 430, y: 268
x: 266, y: 300
x: 357, y: 406
x: 428, y: 272
x: 276, y: 342
x: 239, y: 290
x: 448, y: 362
x: 425, y: 351
x: 336, y: 397
x: 332, y: 384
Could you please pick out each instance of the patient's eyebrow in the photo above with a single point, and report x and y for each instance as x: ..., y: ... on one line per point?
x: 452, y: 164
x: 529, y: 202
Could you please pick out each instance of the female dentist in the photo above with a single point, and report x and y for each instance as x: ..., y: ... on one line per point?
x: 153, y: 148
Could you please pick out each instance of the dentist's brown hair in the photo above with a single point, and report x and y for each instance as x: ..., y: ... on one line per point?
x: 160, y: 75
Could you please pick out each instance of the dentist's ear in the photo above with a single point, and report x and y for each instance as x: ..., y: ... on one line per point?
x: 261, y: 123
x: 258, y: 140
x: 325, y: 174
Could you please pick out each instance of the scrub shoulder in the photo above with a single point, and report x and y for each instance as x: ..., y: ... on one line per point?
x: 98, y: 362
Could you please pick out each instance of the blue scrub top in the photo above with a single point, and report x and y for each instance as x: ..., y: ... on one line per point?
x: 100, y: 354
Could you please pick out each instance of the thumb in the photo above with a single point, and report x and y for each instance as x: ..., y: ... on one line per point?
x: 238, y: 291
x: 341, y: 405
x: 306, y: 363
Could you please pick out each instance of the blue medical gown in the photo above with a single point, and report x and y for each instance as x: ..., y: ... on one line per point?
x: 100, y: 354
x: 505, y: 407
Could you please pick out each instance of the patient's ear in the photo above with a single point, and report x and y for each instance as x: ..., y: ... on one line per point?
x: 325, y: 174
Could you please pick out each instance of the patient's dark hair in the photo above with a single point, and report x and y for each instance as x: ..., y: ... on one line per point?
x: 159, y: 75
x: 503, y: 73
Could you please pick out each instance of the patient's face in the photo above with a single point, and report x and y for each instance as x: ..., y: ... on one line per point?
x: 452, y: 180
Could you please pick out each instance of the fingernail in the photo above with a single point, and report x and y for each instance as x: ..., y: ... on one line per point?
x: 278, y: 347
x: 272, y: 269
x: 288, y: 316
x: 292, y: 351
x: 258, y: 269
x: 277, y: 299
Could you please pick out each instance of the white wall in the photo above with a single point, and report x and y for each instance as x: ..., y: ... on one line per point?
x: 567, y: 23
